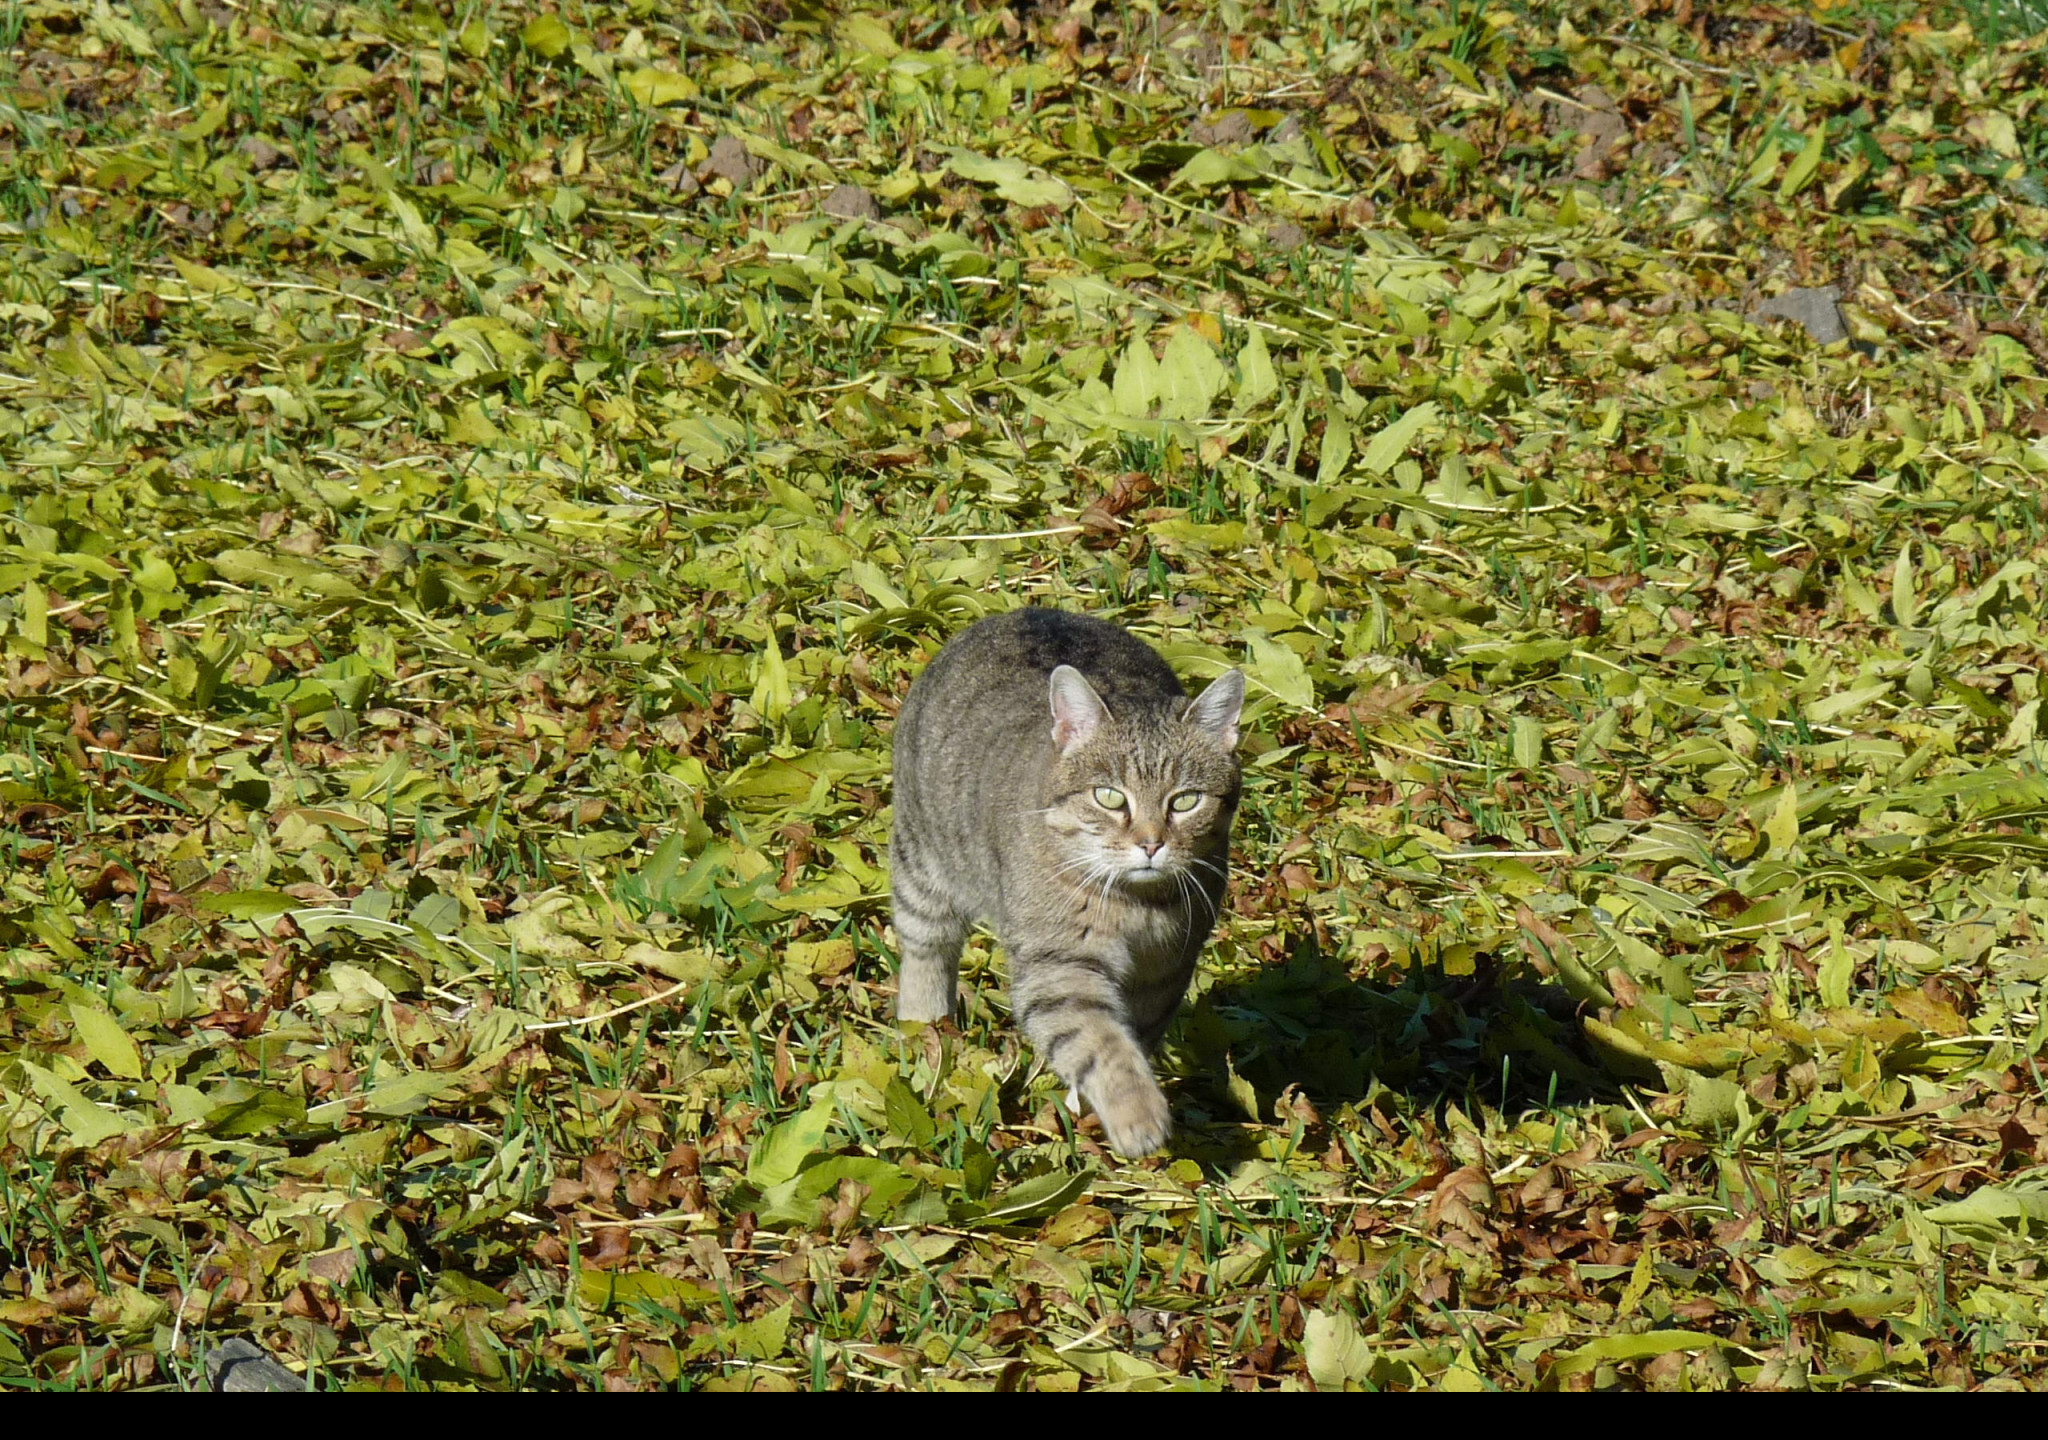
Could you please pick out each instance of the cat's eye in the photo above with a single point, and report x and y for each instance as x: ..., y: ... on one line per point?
x: 1110, y: 799
x: 1184, y: 802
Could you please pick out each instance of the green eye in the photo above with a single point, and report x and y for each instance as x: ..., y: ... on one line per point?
x: 1184, y: 802
x: 1109, y: 799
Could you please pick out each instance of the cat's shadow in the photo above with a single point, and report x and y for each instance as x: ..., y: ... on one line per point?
x: 1307, y: 1028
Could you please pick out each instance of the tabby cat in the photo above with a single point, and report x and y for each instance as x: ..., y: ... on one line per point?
x: 1054, y: 780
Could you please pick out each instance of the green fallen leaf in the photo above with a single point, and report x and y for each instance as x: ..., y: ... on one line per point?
x: 781, y: 1151
x: 1799, y: 174
x: 105, y: 1040
x: 1905, y: 608
x: 1644, y: 1346
x: 546, y: 36
x: 1782, y: 829
x: 795, y: 1201
x: 763, y: 1338
x: 1996, y: 1209
x: 263, y: 1113
x: 1279, y: 670
x: 654, y: 87
x: 609, y: 1289
x: 1209, y: 168
x: 1035, y: 1198
x: 1012, y: 179
x: 84, y: 1122
x: 1336, y: 1354
x: 407, y: 1095
x: 1392, y: 443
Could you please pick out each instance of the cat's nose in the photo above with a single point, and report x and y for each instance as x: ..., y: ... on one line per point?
x: 1151, y: 847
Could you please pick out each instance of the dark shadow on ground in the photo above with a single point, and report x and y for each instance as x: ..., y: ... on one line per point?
x: 1497, y: 1037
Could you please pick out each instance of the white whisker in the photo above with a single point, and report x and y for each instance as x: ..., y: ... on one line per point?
x: 1109, y: 875
x: 1189, y: 886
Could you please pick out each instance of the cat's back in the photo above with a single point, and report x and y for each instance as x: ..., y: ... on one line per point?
x: 1008, y: 660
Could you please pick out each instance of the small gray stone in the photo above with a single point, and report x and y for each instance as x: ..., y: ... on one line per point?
x: 242, y: 1365
x: 1818, y: 309
x: 730, y: 160
x: 1594, y: 114
x: 1233, y: 127
x: 1284, y: 235
x: 262, y: 154
x: 850, y: 202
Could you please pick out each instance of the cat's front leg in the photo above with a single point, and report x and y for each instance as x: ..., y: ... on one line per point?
x: 1072, y: 1010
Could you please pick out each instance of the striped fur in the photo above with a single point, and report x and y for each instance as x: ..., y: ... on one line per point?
x: 1037, y: 763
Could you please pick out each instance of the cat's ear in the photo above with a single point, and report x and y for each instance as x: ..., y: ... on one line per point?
x: 1215, y: 710
x: 1077, y: 711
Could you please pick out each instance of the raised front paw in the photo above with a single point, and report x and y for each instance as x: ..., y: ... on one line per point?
x: 1134, y: 1116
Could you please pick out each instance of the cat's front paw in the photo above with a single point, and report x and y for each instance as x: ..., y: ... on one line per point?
x: 1135, y: 1119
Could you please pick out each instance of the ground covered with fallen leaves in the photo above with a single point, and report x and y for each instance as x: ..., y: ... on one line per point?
x: 475, y: 485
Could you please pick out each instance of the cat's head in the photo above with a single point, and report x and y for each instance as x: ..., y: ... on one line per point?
x: 1143, y: 801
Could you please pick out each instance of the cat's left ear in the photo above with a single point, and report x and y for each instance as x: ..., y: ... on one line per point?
x: 1215, y: 710
x: 1077, y: 711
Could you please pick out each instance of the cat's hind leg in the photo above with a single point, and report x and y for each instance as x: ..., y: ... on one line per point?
x: 930, y: 933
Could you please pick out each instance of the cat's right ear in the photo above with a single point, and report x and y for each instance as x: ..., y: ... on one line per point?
x: 1077, y: 711
x: 1216, y: 709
